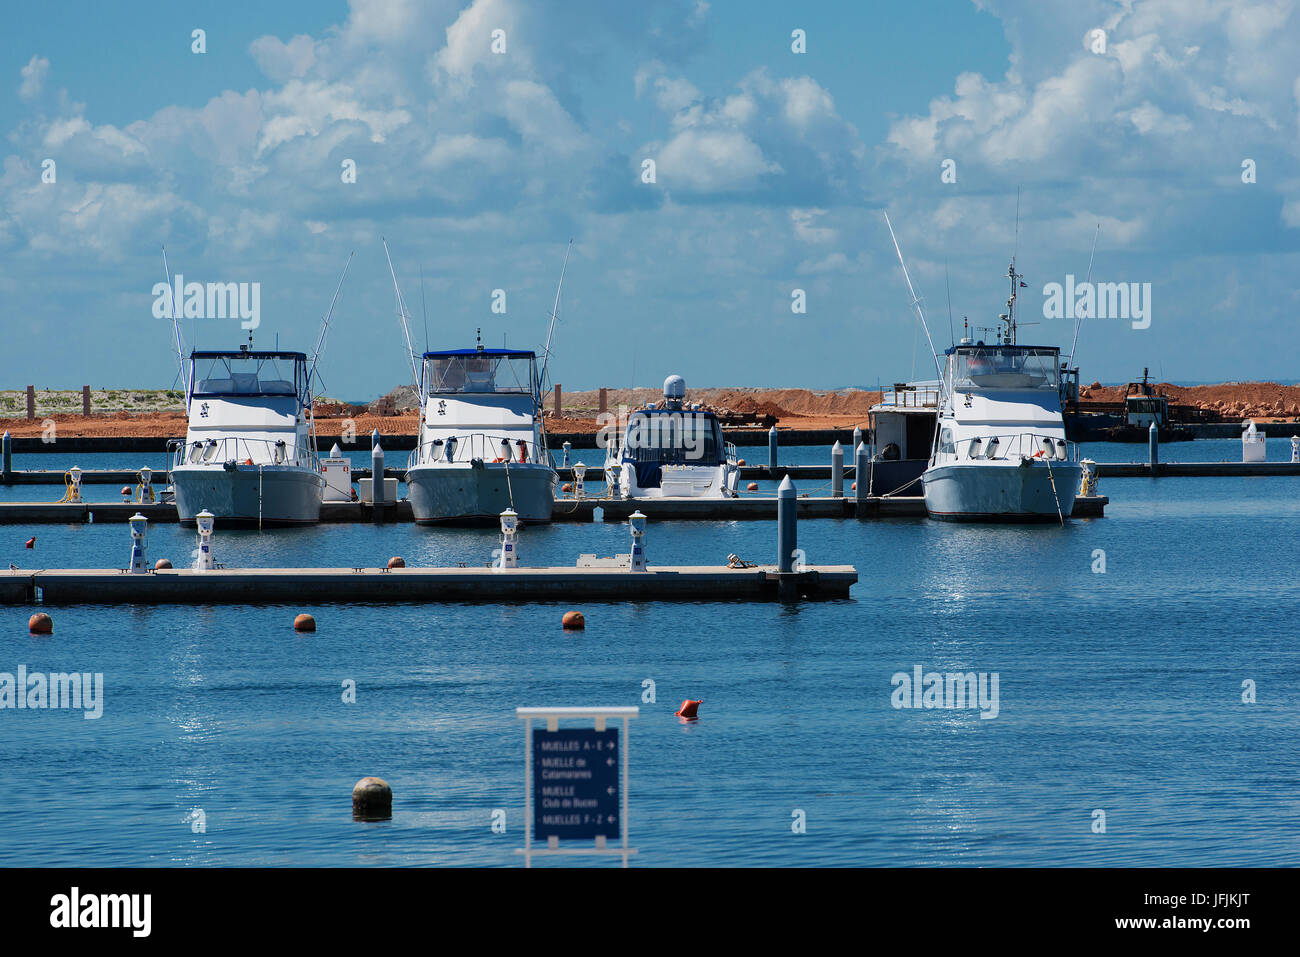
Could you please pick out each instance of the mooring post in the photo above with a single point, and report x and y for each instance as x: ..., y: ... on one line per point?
x: 85, y: 400
x: 837, y: 470
x: 8, y: 456
x: 1153, y: 448
x: 771, y: 450
x: 787, y: 527
x: 857, y: 441
x: 861, y: 476
x: 376, y: 478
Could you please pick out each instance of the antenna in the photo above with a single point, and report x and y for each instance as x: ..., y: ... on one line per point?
x: 325, y: 325
x: 1016, y: 248
x: 176, y: 325
x: 916, y: 301
x: 424, y: 311
x: 401, y: 312
x: 546, y: 356
x: 951, y: 337
x: 1078, y: 322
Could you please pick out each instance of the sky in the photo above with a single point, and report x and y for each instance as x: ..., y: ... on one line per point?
x: 485, y: 134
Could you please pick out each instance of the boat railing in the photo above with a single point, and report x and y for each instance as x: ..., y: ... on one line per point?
x: 467, y: 446
x: 1014, y: 445
x: 729, y: 452
x: 915, y: 397
x: 244, y: 451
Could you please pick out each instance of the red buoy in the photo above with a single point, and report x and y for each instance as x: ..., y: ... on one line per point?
x: 573, y: 621
x: 40, y: 624
x: 31, y: 542
x: 304, y: 623
x: 689, y: 709
x: 751, y: 487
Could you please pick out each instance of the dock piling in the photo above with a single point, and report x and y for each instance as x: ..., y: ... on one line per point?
x: 376, y: 478
x: 857, y: 441
x: 771, y: 450
x: 1153, y: 448
x: 787, y: 525
x: 837, y: 470
x: 7, y: 454
x: 861, y: 472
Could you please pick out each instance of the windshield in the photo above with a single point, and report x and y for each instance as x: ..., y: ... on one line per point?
x: 248, y: 374
x: 478, y: 373
x: 1004, y: 367
x: 673, y: 438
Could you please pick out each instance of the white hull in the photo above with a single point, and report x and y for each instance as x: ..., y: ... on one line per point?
x: 248, y: 495
x: 1001, y: 491
x: 477, y: 493
x: 683, y: 481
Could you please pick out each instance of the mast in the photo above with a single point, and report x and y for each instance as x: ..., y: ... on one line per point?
x: 401, y: 314
x: 176, y: 328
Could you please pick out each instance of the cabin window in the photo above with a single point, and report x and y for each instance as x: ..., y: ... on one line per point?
x: 945, y: 442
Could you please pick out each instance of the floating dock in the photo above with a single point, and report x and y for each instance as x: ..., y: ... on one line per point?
x: 745, y: 508
x: 77, y: 586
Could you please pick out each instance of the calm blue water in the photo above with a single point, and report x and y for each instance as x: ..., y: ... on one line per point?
x: 1118, y: 691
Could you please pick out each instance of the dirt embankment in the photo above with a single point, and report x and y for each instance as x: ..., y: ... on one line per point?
x: 397, y: 414
x: 1261, y: 401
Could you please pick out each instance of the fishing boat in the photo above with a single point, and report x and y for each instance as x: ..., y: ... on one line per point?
x: 249, y: 454
x: 1000, y: 451
x: 482, y: 447
x: 673, y: 451
x: 482, y: 439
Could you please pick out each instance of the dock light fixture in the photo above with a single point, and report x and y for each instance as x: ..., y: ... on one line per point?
x: 509, y: 540
x: 567, y: 447
x: 146, y: 484
x: 139, y: 531
x: 74, y: 489
x: 205, y: 521
x: 637, y: 521
x: 579, y: 490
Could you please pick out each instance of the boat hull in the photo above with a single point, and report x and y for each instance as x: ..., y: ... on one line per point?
x: 1001, y: 492
x: 247, y: 496
x: 477, y: 494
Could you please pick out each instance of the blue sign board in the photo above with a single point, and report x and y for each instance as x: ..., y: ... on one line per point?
x: 575, y: 784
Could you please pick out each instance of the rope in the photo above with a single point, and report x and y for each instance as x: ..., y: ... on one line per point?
x: 1052, y: 479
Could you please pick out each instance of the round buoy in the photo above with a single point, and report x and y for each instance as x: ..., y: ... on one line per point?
x: 689, y: 709
x: 397, y: 561
x: 40, y: 624
x: 566, y: 487
x: 573, y: 621
x: 126, y: 490
x: 855, y: 486
x: 751, y: 487
x: 162, y: 563
x: 372, y: 799
x: 304, y: 623
x: 740, y: 462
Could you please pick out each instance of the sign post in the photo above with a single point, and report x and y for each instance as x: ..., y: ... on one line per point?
x: 573, y: 788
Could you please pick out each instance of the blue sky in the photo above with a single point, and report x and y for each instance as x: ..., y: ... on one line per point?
x: 772, y: 171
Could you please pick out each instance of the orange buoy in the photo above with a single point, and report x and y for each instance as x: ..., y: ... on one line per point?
x: 855, y: 486
x: 126, y: 491
x: 740, y: 461
x: 248, y: 461
x: 162, y: 563
x: 304, y: 623
x: 689, y: 708
x: 751, y: 487
x: 573, y: 621
x: 397, y: 561
x: 31, y: 542
x: 566, y: 487
x: 40, y: 624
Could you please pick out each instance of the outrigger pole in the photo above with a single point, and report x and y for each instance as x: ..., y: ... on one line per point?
x: 1078, y: 323
x: 176, y: 326
x: 916, y: 302
x: 555, y: 310
x: 401, y: 314
x: 325, y: 326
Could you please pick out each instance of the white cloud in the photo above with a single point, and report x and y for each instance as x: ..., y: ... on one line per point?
x: 33, y: 74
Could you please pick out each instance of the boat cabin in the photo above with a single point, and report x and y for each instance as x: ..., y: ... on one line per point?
x: 480, y: 404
